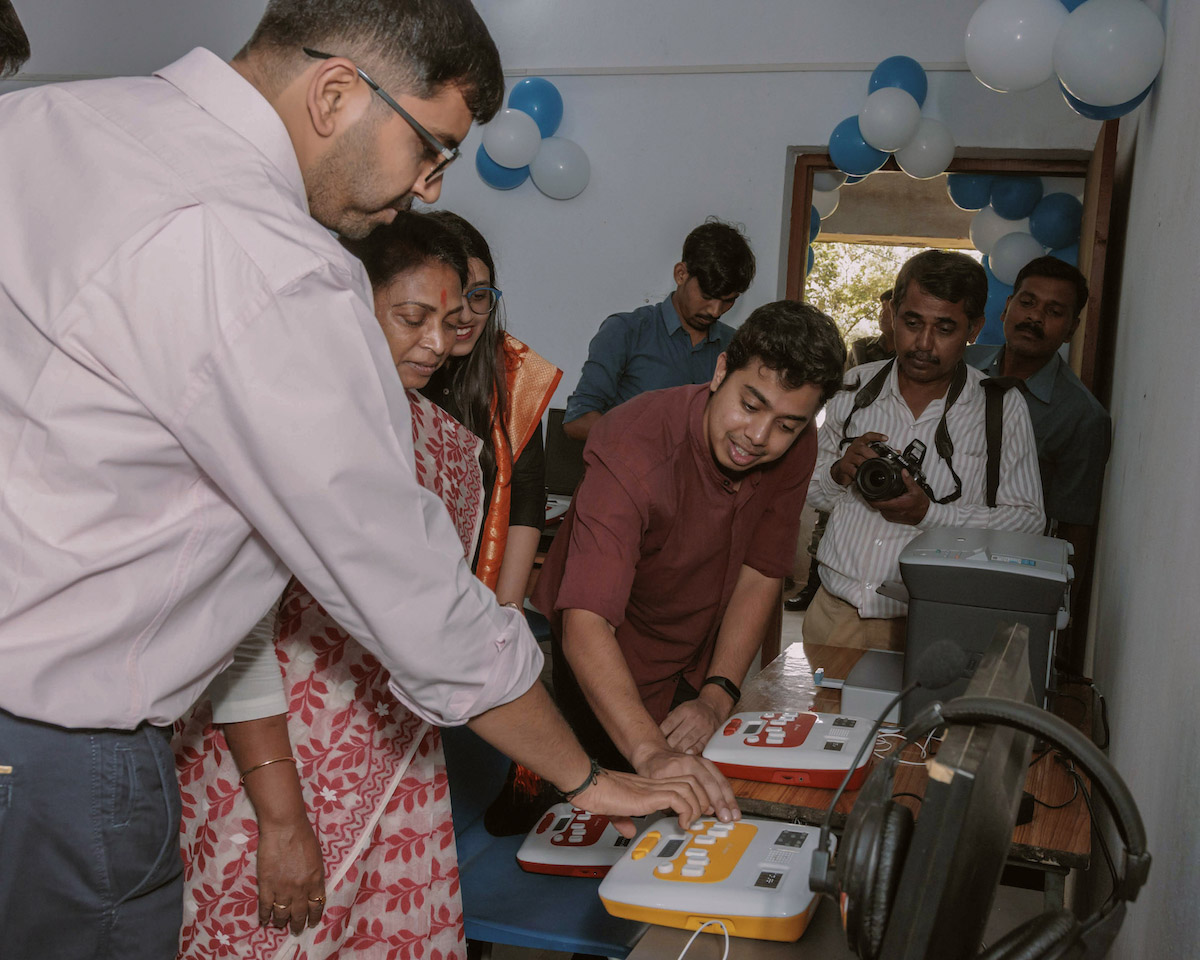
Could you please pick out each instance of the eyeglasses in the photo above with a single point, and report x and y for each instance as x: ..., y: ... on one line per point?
x: 483, y: 300
x: 448, y: 154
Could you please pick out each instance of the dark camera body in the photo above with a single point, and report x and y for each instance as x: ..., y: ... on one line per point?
x: 879, y: 478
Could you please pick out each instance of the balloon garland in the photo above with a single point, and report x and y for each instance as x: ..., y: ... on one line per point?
x: 889, y: 124
x: 1104, y: 54
x: 520, y: 144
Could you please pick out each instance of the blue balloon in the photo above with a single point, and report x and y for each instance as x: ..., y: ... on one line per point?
x: 851, y: 153
x: 1093, y: 112
x: 1014, y: 198
x: 998, y: 294
x: 1056, y: 219
x: 494, y: 175
x: 1070, y: 4
x: 812, y: 258
x: 540, y: 99
x: 853, y: 179
x: 1067, y: 254
x: 970, y: 191
x: 814, y: 225
x: 902, y: 72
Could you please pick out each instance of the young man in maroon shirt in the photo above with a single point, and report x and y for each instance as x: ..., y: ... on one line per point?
x: 665, y: 572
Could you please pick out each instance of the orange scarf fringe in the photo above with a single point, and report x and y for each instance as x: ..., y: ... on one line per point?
x: 531, y: 381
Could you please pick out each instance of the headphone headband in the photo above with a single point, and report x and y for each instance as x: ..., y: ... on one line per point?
x: 1059, y: 733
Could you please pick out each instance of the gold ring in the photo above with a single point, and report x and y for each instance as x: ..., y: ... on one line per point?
x: 316, y: 899
x: 281, y: 906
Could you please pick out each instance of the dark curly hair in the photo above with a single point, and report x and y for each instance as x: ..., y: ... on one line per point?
x: 720, y: 259
x: 794, y: 339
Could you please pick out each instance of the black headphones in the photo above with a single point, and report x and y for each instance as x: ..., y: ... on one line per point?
x: 871, y: 855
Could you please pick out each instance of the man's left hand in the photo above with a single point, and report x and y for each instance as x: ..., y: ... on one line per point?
x: 690, y: 725
x: 910, y: 507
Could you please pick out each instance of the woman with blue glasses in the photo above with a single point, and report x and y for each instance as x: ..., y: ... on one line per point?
x: 498, y: 388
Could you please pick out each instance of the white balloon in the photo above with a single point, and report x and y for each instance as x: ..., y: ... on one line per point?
x: 512, y: 139
x: 561, y: 169
x: 1071, y: 185
x: 987, y: 226
x: 1010, y: 253
x: 929, y: 152
x: 828, y: 180
x: 889, y: 118
x: 1109, y: 51
x: 826, y: 201
x: 1010, y: 43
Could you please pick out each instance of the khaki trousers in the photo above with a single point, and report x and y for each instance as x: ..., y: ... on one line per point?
x: 836, y: 623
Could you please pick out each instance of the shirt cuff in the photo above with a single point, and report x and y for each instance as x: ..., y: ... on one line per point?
x: 516, y: 667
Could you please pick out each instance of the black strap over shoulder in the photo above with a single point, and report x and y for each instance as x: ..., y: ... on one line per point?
x: 994, y: 389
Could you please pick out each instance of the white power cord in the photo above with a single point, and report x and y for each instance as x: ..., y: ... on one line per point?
x: 707, y: 923
x: 882, y: 749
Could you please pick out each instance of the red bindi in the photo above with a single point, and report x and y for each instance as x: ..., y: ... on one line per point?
x: 443, y: 298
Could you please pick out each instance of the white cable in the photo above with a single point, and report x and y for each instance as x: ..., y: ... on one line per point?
x: 720, y: 923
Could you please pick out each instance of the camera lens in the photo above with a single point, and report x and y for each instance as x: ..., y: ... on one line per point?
x: 879, y: 479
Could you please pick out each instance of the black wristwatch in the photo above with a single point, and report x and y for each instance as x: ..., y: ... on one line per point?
x: 725, y: 684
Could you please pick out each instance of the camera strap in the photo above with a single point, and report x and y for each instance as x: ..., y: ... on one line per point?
x: 994, y: 389
x: 941, y: 437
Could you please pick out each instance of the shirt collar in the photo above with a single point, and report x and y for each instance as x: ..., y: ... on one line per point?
x: 224, y: 93
x: 672, y: 323
x: 1040, y: 384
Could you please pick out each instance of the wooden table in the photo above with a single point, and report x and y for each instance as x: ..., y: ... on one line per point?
x: 1053, y: 843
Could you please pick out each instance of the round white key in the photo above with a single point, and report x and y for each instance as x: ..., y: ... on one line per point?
x: 665, y: 868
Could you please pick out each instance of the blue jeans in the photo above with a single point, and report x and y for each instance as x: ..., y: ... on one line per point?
x: 89, y: 843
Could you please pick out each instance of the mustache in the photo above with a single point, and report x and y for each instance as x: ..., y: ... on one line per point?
x: 1033, y: 329
x: 922, y: 357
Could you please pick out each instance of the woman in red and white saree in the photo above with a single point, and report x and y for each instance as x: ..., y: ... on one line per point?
x: 372, y: 773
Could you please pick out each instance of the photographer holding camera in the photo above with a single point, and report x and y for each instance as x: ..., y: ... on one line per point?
x: 873, y: 474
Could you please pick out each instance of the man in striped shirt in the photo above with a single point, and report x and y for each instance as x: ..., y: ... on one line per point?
x: 925, y: 393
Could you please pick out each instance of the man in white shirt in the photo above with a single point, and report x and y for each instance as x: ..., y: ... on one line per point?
x: 926, y: 394
x: 196, y: 399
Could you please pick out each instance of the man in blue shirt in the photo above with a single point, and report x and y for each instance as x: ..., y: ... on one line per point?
x: 1070, y: 426
x: 667, y: 344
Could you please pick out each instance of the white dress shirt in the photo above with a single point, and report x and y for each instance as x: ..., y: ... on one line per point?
x: 195, y: 398
x: 860, y: 549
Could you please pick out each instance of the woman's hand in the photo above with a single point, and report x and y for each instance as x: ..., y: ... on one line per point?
x: 291, y: 874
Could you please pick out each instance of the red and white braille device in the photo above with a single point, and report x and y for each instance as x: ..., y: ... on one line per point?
x: 799, y: 748
x: 571, y: 842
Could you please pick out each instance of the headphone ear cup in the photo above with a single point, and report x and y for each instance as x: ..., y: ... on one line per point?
x: 893, y: 846
x: 1042, y: 938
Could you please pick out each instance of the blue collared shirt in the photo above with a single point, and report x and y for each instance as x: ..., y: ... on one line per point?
x: 648, y: 349
x: 1073, y: 433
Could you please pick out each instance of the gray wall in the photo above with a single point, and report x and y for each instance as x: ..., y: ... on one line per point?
x: 1145, y: 609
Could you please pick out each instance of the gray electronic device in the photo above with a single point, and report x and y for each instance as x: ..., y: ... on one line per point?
x: 872, y: 684
x: 961, y: 582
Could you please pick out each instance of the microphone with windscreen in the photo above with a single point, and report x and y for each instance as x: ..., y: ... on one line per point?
x: 938, y: 667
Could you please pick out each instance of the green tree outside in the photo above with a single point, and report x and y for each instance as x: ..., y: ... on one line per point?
x: 847, y: 278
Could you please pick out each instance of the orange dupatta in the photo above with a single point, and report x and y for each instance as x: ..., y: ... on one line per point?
x: 531, y: 381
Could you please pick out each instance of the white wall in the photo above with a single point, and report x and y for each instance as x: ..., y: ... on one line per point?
x: 666, y: 150
x: 1145, y: 610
